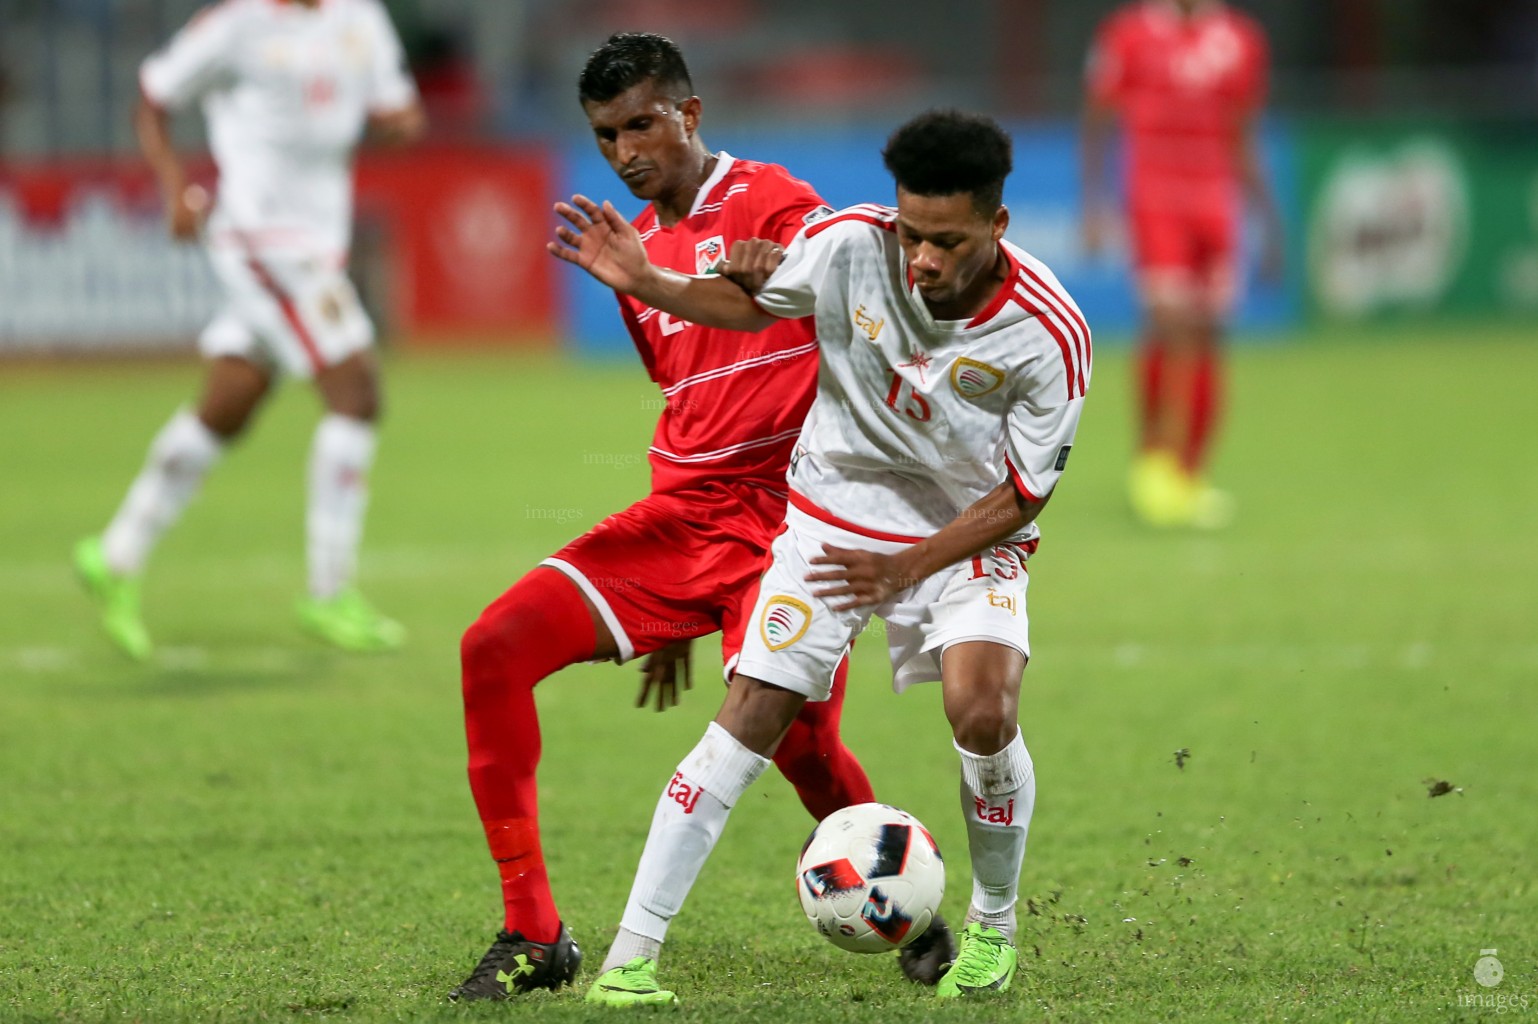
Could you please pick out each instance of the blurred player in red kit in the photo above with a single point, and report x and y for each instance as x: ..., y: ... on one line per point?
x: 1186, y: 79
x: 684, y: 561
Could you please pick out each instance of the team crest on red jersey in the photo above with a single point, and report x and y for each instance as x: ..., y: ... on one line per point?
x: 708, y: 254
x: 973, y: 379
x: 785, y: 620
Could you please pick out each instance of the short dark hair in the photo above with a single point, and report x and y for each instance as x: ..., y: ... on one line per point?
x: 946, y: 152
x: 626, y: 59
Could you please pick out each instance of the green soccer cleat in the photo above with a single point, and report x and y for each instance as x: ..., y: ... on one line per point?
x: 349, y: 622
x: 631, y: 984
x: 986, y: 963
x: 118, y: 597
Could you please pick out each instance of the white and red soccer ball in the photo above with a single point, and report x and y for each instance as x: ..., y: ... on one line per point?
x: 870, y: 878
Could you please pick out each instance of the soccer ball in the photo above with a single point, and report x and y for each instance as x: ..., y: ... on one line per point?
x: 870, y: 878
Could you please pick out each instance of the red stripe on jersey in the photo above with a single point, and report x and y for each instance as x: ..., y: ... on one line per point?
x: 816, y: 511
x: 290, y: 313
x: 1064, y: 304
x: 1053, y: 316
x: 844, y: 218
x: 783, y: 355
x: 1002, y: 298
x: 1057, y: 335
x: 1019, y: 481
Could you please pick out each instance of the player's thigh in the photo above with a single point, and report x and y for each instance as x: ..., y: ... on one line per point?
x: 655, y: 576
x: 980, y: 682
x: 793, y: 638
x: 1167, y: 265
x: 1217, y: 233
x: 301, y: 310
x: 525, y: 600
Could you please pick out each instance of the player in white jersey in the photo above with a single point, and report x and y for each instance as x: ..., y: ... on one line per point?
x: 953, y: 373
x: 288, y: 88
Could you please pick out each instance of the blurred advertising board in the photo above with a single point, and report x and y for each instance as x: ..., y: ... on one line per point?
x: 461, y: 232
x: 86, y: 264
x: 1042, y: 195
x: 1408, y: 221
x: 449, y: 246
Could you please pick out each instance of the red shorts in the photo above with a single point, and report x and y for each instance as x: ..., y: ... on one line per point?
x: 1186, y: 253
x: 675, y: 566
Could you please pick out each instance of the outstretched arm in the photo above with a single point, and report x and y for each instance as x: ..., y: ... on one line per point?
x: 607, y: 246
x: 186, y: 204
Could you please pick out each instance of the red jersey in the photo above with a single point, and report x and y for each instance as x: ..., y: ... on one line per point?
x: 1184, y: 86
x: 735, y: 400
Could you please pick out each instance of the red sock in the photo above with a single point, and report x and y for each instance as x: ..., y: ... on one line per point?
x: 538, y: 627
x: 1206, y: 401
x: 813, y: 758
x: 1150, y: 371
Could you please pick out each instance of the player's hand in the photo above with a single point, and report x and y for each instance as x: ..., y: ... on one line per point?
x: 660, y: 672
x: 864, y: 577
x: 399, y: 127
x: 751, y: 261
x: 601, y: 242
x: 186, y: 207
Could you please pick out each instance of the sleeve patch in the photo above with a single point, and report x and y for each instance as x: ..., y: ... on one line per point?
x: 821, y: 213
x: 1062, y: 457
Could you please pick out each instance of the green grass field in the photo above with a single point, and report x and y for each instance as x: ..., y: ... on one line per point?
x: 254, y: 828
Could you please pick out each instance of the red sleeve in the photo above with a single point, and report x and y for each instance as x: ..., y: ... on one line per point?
x: 1106, y: 73
x: 783, y: 205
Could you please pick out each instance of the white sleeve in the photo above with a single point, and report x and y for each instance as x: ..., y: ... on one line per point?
x: 1036, y: 445
x: 390, y: 86
x: 791, y: 291
x: 198, y: 58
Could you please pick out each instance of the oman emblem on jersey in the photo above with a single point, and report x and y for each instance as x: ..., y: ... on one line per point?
x: 708, y: 254
x: 972, y: 379
x: 784, y: 621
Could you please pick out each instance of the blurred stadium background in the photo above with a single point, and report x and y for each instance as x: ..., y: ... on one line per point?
x: 1400, y: 140
x: 253, y: 828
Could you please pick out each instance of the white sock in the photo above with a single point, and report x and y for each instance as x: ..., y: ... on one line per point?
x: 998, y: 794
x: 179, y: 458
x: 689, y: 818
x: 340, y: 457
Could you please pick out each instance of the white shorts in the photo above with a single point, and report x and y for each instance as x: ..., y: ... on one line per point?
x: 795, y: 640
x: 296, y: 314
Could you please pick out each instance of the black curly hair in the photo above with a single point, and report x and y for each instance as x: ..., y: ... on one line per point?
x: 626, y: 59
x: 945, y: 152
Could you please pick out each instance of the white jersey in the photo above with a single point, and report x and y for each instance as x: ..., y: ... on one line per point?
x: 286, y: 90
x: 916, y: 419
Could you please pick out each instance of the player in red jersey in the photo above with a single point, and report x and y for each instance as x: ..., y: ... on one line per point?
x: 1187, y: 79
x: 684, y: 561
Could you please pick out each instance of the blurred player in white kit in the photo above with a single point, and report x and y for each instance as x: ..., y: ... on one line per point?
x: 288, y: 88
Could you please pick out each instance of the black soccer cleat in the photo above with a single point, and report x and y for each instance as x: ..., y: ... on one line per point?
x: 513, y: 964
x: 925, y: 959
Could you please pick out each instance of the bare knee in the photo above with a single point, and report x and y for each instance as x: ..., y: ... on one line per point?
x: 351, y: 388
x: 985, y: 726
x: 232, y: 392
x: 482, y: 647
